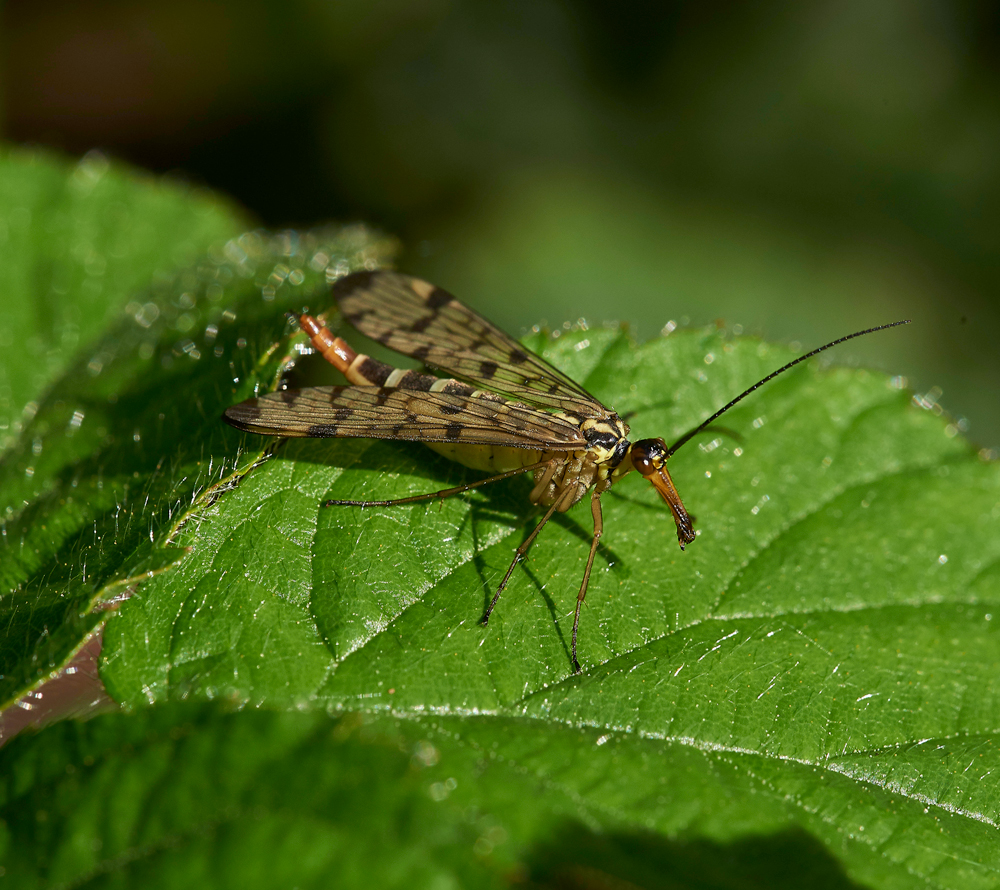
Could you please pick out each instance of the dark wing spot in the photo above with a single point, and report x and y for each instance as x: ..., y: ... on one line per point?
x: 488, y: 369
x: 420, y: 353
x: 451, y: 409
x: 517, y: 357
x: 342, y: 414
x: 382, y: 397
x: 439, y: 298
x: 554, y: 388
x: 347, y: 285
x: 421, y: 324
x: 453, y: 431
x: 322, y: 430
x: 398, y: 428
x: 289, y: 396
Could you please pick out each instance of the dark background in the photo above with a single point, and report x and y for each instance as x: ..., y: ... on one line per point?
x: 800, y: 169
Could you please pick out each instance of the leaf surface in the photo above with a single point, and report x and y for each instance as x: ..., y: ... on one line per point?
x: 125, y: 442
x: 823, y: 656
x: 810, y: 686
x: 78, y: 242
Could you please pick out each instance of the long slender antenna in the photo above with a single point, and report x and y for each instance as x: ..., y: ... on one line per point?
x: 690, y: 435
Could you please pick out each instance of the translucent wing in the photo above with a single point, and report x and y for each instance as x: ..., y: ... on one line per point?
x: 426, y: 322
x: 373, y: 412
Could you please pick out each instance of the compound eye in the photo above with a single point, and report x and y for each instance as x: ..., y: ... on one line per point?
x: 642, y: 462
x: 642, y: 458
x: 648, y: 455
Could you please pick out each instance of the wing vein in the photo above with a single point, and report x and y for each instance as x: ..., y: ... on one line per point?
x: 384, y: 412
x: 427, y: 323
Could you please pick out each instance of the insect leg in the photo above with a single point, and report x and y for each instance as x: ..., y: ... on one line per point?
x: 595, y: 509
x: 521, y: 551
x: 538, y: 492
x: 518, y: 556
x: 445, y: 492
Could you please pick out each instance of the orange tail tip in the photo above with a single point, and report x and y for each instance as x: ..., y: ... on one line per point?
x: 333, y: 349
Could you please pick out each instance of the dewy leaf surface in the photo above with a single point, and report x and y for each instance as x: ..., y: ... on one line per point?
x: 128, y: 441
x: 77, y: 241
x: 821, y: 661
x: 823, y: 656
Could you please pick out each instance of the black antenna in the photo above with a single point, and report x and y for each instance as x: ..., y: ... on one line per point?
x: 687, y: 436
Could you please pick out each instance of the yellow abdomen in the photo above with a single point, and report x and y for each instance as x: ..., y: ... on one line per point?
x: 496, y: 458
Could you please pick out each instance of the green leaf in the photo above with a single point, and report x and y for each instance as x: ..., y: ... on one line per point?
x: 190, y: 797
x: 127, y: 444
x: 812, y: 680
x: 77, y: 241
x: 822, y: 658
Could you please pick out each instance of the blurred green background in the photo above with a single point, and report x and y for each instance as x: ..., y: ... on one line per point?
x: 799, y: 169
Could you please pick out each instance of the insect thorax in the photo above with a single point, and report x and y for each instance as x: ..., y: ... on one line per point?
x: 607, y: 445
x: 598, y: 464
x: 607, y: 440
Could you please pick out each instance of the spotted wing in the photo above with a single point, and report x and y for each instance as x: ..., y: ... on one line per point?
x: 429, y: 324
x: 374, y: 412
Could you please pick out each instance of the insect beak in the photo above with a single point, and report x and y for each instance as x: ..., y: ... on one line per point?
x: 665, y: 486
